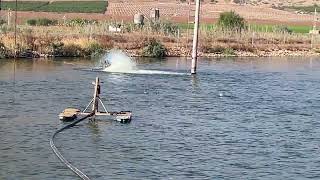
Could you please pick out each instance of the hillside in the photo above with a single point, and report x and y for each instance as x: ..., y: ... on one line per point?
x: 257, y: 11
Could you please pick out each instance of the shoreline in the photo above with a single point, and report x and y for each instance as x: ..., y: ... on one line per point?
x: 278, y: 53
x: 43, y: 42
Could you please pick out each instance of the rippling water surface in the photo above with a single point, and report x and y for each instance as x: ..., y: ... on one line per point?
x: 237, y: 119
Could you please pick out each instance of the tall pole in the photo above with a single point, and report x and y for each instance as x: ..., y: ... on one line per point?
x: 314, y: 27
x: 96, y: 95
x: 15, y: 30
x: 195, y: 39
x: 315, y: 19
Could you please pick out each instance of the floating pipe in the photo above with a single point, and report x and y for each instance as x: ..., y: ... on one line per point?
x: 59, y: 155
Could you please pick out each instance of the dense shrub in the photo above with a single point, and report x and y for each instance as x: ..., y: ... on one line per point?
x: 2, y: 50
x: 167, y: 28
x: 215, y: 49
x: 46, y: 22
x: 2, y: 22
x: 57, y: 48
x: 93, y: 49
x: 41, y: 22
x: 154, y: 49
x: 231, y: 21
x: 71, y: 50
x: 229, y: 52
x: 32, y: 22
x: 282, y: 29
x: 79, y: 22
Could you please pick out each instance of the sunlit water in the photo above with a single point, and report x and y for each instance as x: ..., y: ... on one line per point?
x: 237, y: 119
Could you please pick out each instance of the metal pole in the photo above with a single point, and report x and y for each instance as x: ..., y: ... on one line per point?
x: 314, y: 27
x: 195, y: 39
x: 315, y: 20
x: 15, y: 30
x: 95, y: 96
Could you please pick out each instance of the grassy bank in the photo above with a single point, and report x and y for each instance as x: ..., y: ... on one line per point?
x: 164, y: 39
x: 58, y: 6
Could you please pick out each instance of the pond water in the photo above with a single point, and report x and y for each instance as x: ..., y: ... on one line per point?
x: 241, y: 118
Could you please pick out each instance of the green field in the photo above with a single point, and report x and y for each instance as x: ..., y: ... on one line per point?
x: 58, y: 6
x: 23, y: 5
x: 306, y: 9
x: 255, y: 27
x: 274, y: 28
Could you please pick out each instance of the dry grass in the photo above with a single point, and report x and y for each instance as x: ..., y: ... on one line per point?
x: 76, y: 41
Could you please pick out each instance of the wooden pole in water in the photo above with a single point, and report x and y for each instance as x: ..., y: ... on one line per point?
x: 195, y: 39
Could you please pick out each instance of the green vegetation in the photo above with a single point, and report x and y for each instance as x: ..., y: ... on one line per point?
x: 58, y: 6
x: 79, y: 22
x: 229, y: 52
x: 252, y: 27
x: 185, y: 26
x: 75, y: 6
x: 154, y: 49
x: 2, y: 22
x: 231, y: 21
x: 305, y: 9
x: 163, y: 27
x: 94, y: 49
x: 300, y: 29
x: 23, y: 5
x: 41, y: 22
x: 274, y: 28
x: 2, y: 51
x: 167, y: 28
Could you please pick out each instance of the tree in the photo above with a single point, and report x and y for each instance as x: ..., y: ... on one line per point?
x: 231, y: 21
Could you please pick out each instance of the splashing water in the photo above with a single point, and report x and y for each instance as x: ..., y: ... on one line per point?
x: 121, y: 63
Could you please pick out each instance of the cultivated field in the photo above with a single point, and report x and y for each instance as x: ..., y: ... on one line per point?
x: 209, y: 12
x: 57, y: 6
x: 254, y: 11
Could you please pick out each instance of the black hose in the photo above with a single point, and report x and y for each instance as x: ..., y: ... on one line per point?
x: 59, y: 155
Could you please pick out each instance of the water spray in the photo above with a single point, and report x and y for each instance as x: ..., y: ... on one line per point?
x: 119, y: 62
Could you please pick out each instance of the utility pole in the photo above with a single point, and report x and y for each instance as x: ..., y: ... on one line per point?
x: 0, y: 9
x: 315, y: 19
x: 314, y: 29
x: 15, y: 30
x: 195, y: 39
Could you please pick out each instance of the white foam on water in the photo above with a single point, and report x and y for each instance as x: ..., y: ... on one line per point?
x: 121, y: 63
x: 157, y: 72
